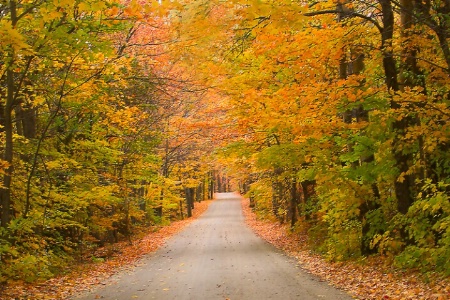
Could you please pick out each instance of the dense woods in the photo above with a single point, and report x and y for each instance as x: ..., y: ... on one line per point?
x: 99, y: 136
x: 343, y: 109
x: 331, y: 116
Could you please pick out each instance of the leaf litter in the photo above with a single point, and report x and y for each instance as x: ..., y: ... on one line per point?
x: 369, y: 279
x: 84, y: 276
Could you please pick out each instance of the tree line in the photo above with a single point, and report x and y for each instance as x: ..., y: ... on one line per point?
x: 91, y: 104
x: 342, y: 109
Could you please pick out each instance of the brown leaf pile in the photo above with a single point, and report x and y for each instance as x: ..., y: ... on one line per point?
x: 86, y: 275
x: 369, y: 280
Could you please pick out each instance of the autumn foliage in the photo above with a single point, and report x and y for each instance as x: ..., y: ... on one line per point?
x: 341, y: 113
x: 331, y: 116
x: 366, y: 279
x: 90, y: 102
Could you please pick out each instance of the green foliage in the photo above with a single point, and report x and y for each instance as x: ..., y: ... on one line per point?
x: 346, y: 243
x: 261, y: 193
x: 28, y: 255
x: 348, y: 126
x: 331, y: 126
x: 81, y: 122
x: 280, y: 156
x: 427, y: 223
x: 340, y: 213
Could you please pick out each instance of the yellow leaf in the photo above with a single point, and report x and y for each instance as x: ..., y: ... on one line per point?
x: 84, y: 6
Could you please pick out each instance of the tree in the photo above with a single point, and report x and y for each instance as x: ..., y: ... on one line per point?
x: 360, y: 128
x: 85, y: 89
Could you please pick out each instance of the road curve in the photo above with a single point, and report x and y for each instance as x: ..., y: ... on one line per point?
x: 216, y: 257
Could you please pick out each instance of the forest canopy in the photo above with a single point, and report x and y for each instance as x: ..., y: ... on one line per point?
x: 331, y: 116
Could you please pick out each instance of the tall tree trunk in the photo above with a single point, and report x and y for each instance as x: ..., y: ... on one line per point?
x: 8, y: 151
x: 293, y: 204
x: 277, y: 194
x: 440, y: 24
x: 25, y: 113
x: 5, y: 191
x: 188, y: 201
x: 403, y: 186
x: 192, y: 200
x: 219, y: 183
x: 211, y: 185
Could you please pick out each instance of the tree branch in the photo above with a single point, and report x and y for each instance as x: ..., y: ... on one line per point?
x: 353, y: 14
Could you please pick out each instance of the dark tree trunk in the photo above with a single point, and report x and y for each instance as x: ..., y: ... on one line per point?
x: 188, y: 201
x: 26, y: 121
x: 205, y: 191
x: 5, y: 192
x: 211, y: 185
x: 293, y: 204
x: 219, y: 183
x: 439, y: 24
x: 403, y: 188
x: 277, y: 195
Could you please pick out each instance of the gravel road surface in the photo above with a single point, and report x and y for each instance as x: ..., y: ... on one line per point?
x: 216, y: 257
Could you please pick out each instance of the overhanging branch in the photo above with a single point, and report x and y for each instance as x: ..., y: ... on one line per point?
x: 353, y: 14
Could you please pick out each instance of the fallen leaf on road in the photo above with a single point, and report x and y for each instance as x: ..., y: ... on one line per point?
x: 364, y: 281
x: 84, y: 275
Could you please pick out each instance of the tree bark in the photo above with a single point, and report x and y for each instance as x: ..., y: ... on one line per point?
x: 293, y: 204
x: 5, y: 193
x: 8, y: 151
x: 188, y: 201
x: 211, y: 185
x: 403, y: 188
x: 440, y: 25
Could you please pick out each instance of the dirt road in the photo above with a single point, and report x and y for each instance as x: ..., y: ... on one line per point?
x: 216, y: 257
